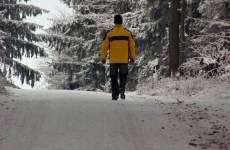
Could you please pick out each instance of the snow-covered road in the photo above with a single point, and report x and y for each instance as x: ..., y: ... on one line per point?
x: 74, y: 120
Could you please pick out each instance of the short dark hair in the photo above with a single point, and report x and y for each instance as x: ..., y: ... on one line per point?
x: 118, y: 19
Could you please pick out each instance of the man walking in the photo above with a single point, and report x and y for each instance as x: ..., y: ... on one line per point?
x: 120, y: 43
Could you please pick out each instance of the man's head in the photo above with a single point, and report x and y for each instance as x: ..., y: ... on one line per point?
x: 118, y: 19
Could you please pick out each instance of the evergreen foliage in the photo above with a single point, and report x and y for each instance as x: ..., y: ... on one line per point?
x: 207, y: 54
x: 17, y: 39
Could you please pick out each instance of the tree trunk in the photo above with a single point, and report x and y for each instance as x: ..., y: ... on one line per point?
x: 174, y: 37
x: 226, y: 10
x: 226, y: 28
x: 126, y: 7
x: 182, y: 37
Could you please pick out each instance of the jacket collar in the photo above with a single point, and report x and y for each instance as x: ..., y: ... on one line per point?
x: 118, y: 25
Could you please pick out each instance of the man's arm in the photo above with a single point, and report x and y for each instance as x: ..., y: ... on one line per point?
x: 104, y: 48
x: 132, y: 47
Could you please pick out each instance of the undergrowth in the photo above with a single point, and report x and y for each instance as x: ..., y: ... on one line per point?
x: 185, y: 88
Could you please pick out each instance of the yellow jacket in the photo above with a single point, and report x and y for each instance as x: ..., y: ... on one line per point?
x: 120, y: 43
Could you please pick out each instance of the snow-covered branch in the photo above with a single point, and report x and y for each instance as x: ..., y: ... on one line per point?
x: 24, y: 9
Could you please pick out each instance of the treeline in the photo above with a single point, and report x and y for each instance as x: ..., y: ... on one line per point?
x: 190, y: 38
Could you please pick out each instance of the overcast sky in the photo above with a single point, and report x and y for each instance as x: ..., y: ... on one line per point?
x: 52, y: 5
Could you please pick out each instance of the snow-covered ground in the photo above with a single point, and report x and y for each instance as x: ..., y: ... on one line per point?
x: 80, y: 120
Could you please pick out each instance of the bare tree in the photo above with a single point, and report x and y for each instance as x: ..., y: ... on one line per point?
x: 209, y: 47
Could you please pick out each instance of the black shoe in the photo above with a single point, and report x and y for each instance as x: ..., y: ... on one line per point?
x: 114, y: 98
x: 122, y: 93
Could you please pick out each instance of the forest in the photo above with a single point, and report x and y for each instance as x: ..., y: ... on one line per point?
x: 185, y: 41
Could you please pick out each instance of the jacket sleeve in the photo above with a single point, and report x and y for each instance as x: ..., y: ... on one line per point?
x: 132, y: 48
x: 104, y: 47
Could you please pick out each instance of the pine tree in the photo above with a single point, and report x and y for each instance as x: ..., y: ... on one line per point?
x: 17, y: 39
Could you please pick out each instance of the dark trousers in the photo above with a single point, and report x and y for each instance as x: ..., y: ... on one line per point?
x: 123, y: 72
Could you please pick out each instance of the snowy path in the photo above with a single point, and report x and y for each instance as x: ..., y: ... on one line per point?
x: 73, y: 120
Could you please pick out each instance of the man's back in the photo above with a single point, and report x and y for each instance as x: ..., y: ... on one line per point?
x: 120, y: 42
